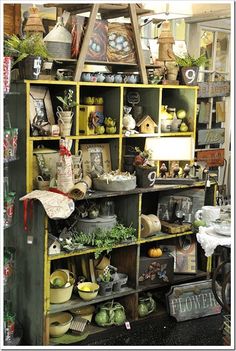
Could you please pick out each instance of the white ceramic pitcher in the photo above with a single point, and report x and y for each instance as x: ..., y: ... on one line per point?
x: 208, y: 214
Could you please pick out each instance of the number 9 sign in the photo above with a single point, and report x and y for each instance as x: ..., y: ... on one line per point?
x: 190, y: 75
x: 152, y: 178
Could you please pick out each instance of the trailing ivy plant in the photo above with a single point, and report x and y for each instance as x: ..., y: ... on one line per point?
x: 100, y: 238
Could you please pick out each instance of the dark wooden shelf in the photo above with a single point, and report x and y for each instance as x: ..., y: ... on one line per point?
x: 178, y: 278
x: 76, y: 302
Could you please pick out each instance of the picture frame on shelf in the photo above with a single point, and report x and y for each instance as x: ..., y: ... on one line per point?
x: 96, y: 158
x: 41, y: 110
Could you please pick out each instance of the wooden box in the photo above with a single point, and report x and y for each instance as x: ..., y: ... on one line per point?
x: 159, y: 270
x: 84, y: 117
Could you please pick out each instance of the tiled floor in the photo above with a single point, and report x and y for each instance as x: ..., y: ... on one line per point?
x: 165, y: 331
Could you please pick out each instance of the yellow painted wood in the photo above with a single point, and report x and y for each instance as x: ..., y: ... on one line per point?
x: 39, y: 138
x: 139, y: 216
x: 209, y: 264
x: 77, y: 110
x: 102, y: 136
x: 177, y: 134
x: 86, y: 251
x: 51, y: 82
x: 142, y: 135
x: 47, y: 268
x: 162, y: 237
x: 29, y: 166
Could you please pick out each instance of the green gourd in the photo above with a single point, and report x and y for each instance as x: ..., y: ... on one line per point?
x: 101, y: 318
x: 119, y: 317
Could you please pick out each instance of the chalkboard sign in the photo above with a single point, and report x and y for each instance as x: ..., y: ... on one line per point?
x: 192, y: 300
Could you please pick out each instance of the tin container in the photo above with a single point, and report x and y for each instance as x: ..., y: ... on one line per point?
x: 58, y: 41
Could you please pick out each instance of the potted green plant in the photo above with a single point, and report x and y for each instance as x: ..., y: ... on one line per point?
x: 105, y: 282
x: 29, y: 53
x: 65, y: 113
x: 145, y: 170
x: 189, y: 67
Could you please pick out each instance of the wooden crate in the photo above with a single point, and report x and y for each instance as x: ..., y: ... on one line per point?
x: 84, y: 114
x: 159, y: 270
x: 175, y: 228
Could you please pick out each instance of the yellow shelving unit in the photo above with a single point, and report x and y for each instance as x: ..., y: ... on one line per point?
x: 129, y: 205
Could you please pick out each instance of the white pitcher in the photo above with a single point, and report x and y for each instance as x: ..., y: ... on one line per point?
x: 208, y: 214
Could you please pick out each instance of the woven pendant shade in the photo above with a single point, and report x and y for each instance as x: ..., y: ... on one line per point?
x: 34, y: 22
x: 166, y: 41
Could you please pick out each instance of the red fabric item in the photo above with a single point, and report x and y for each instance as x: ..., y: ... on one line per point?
x: 64, y: 151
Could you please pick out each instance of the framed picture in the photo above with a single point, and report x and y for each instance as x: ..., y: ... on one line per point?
x: 41, y: 106
x: 120, y: 46
x: 96, y: 159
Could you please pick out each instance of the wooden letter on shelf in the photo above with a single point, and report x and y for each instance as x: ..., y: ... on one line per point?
x: 220, y: 111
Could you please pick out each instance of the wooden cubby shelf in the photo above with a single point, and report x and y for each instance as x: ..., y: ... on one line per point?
x: 76, y: 302
x: 35, y: 264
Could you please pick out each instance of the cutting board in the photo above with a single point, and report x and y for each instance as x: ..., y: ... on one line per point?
x: 174, y: 228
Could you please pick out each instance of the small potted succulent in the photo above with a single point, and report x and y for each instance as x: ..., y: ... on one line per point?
x: 29, y: 52
x: 145, y: 171
x: 105, y: 282
x: 189, y: 67
x: 65, y: 113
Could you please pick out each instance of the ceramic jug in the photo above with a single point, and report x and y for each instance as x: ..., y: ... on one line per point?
x: 110, y: 78
x: 118, y: 78
x: 100, y: 77
x: 86, y: 77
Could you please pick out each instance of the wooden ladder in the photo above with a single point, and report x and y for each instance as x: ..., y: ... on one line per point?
x: 89, y: 31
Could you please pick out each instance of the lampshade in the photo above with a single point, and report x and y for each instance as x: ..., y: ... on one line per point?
x: 169, y: 10
x: 171, y: 148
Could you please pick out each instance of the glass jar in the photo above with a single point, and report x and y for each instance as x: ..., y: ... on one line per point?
x: 172, y: 111
x: 107, y: 208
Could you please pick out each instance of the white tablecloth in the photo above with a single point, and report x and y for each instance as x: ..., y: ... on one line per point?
x: 210, y: 241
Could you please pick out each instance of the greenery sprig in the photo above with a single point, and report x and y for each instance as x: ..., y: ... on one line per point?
x: 190, y: 61
x: 100, y: 238
x: 67, y: 101
x: 31, y: 45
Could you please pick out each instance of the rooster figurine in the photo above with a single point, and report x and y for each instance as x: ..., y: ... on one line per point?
x: 186, y: 170
x: 163, y: 170
x: 176, y: 170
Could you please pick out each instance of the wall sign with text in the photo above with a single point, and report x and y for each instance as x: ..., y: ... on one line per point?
x: 192, y: 300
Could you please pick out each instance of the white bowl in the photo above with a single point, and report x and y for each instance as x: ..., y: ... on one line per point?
x: 166, y: 125
x: 222, y: 227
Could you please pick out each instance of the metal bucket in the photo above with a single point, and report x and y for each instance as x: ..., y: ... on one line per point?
x: 58, y: 41
x: 58, y: 49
